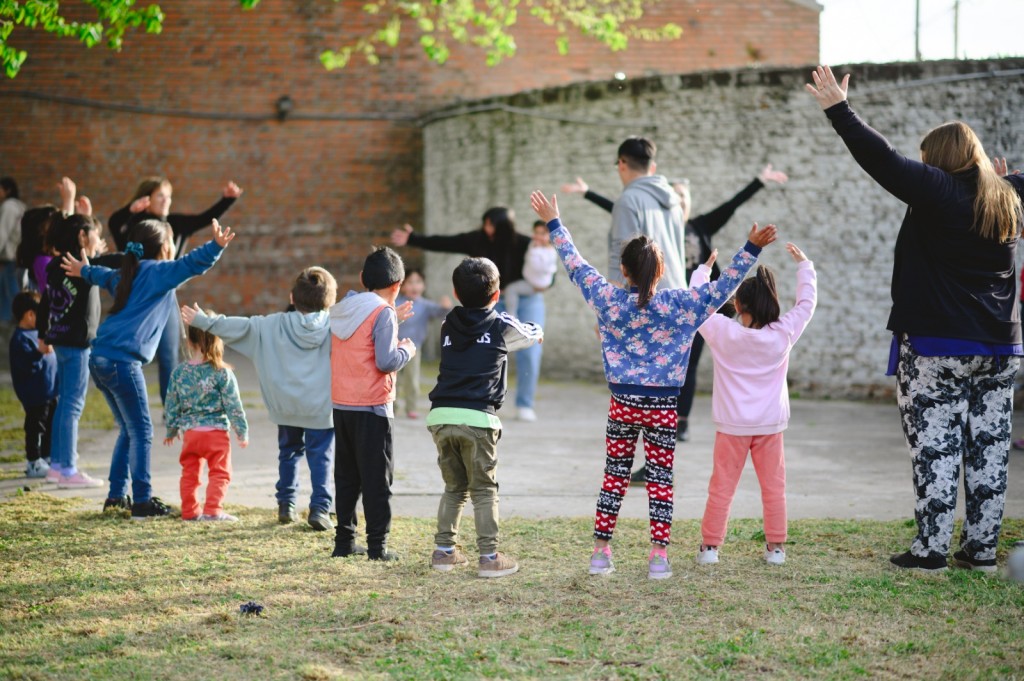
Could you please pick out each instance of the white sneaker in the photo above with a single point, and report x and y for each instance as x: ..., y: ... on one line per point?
x: 774, y: 557
x: 526, y: 414
x: 707, y: 555
x: 80, y: 480
x: 37, y: 469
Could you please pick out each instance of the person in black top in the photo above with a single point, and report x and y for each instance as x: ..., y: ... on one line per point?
x: 956, y: 327
x: 699, y: 231
x: 153, y: 199
x: 498, y: 241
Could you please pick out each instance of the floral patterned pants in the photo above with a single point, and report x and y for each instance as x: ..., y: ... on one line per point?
x: 628, y: 417
x: 957, y: 409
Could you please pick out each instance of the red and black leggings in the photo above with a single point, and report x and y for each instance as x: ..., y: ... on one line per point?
x: 628, y: 417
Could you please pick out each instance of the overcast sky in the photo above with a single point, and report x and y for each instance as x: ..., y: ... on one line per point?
x: 883, y: 30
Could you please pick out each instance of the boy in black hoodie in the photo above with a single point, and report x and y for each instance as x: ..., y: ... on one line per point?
x: 475, y: 342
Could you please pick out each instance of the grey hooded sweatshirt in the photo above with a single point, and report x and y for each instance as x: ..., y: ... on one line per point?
x: 649, y: 207
x: 292, y: 354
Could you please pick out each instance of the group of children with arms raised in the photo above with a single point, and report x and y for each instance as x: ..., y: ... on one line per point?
x: 327, y: 374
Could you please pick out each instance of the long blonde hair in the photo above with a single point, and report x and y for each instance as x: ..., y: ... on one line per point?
x: 954, y: 147
x: 209, y: 347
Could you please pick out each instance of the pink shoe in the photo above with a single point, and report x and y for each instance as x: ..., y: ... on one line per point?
x: 79, y: 480
x: 412, y: 414
x: 53, y: 475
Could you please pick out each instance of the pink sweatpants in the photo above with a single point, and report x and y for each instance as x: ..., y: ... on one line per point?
x: 215, y: 447
x: 766, y: 451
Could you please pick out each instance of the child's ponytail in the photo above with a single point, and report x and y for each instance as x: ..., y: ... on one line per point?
x: 759, y: 297
x: 644, y: 266
x: 146, y: 240
x: 209, y: 346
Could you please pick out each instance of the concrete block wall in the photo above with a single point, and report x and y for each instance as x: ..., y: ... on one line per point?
x: 718, y: 129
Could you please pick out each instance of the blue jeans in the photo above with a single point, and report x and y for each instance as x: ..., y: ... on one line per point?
x: 531, y: 309
x: 10, y: 284
x: 168, y: 352
x: 318, y: 446
x: 124, y: 388
x: 72, y: 384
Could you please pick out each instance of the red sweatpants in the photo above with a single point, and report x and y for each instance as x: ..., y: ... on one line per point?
x: 766, y: 452
x: 215, y: 447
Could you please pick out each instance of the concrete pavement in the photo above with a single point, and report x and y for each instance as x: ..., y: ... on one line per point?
x: 843, y: 459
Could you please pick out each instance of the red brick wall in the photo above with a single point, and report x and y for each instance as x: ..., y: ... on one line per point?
x: 317, y: 191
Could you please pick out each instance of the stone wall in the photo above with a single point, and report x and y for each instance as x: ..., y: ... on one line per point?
x: 718, y: 129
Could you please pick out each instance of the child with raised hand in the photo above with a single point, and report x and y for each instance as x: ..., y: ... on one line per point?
x: 292, y: 354
x: 645, y: 339
x: 202, y: 402
x: 143, y: 291
x: 68, y: 320
x: 750, y: 400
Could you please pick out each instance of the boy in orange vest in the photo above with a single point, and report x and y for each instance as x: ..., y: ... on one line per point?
x: 365, y: 355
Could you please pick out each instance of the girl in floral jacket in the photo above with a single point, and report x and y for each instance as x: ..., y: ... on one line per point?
x: 645, y: 341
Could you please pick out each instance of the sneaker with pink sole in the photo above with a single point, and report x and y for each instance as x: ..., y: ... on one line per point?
x: 79, y: 480
x: 53, y: 476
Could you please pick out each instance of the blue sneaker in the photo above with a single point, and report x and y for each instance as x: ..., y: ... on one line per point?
x: 658, y: 566
x: 601, y: 562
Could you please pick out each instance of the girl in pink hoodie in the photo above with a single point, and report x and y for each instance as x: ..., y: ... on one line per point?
x: 750, y: 399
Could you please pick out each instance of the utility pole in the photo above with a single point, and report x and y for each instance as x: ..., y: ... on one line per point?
x: 956, y: 29
x: 917, y: 30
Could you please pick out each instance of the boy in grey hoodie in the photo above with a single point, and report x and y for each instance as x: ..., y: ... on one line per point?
x: 291, y: 351
x: 365, y: 354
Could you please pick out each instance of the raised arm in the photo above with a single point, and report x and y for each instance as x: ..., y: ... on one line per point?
x: 238, y: 333
x: 704, y: 300
x: 187, y: 225
x: 519, y: 334
x: 711, y: 222
x: 910, y: 181
x: 797, y: 319
x: 445, y: 243
x: 595, y: 288
x: 389, y: 354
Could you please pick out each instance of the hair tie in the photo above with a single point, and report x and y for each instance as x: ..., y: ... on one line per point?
x: 135, y: 248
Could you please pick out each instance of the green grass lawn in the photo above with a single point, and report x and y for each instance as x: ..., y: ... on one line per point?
x: 88, y: 596
x: 95, y: 416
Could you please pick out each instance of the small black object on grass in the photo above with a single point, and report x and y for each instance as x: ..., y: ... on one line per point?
x: 251, y: 608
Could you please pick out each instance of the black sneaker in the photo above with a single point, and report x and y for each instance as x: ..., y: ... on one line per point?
x: 346, y: 551
x: 962, y: 560
x: 381, y: 554
x: 286, y: 513
x: 682, y: 432
x: 908, y: 561
x: 118, y: 504
x: 154, y: 508
x: 639, y: 476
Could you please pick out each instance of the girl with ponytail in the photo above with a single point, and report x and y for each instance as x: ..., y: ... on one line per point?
x: 750, y: 399
x: 143, y: 291
x: 645, y: 342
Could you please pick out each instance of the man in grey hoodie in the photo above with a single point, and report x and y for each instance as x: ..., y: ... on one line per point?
x: 650, y: 207
x: 292, y: 354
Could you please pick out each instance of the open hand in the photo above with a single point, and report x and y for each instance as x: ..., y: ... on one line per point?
x: 446, y: 302
x: 232, y: 190
x: 546, y: 210
x: 140, y: 204
x: 222, y: 235
x: 188, y: 314
x: 1001, y: 167
x: 768, y: 174
x: 764, y: 236
x: 400, y: 236
x: 83, y: 206
x: 404, y: 311
x: 577, y: 187
x: 73, y: 266
x: 797, y: 254
x: 826, y: 90
x: 712, y: 258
